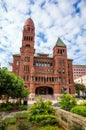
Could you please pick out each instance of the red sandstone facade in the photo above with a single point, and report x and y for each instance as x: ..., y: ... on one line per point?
x: 43, y: 73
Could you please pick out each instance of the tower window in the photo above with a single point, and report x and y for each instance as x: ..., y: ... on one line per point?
x: 60, y: 51
x: 24, y: 37
x: 26, y: 59
x: 32, y: 29
x: 27, y: 45
x: 27, y: 38
x: 29, y: 29
x: 31, y: 38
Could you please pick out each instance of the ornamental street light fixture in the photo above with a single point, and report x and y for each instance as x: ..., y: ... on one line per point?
x: 64, y: 90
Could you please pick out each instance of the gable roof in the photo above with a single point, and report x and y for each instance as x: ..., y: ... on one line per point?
x: 60, y: 42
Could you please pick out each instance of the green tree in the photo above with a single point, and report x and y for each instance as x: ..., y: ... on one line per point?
x: 2, y: 80
x: 11, y: 85
x: 67, y: 101
x: 79, y: 87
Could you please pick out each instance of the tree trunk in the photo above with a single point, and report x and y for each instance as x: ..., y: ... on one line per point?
x: 20, y: 101
x: 7, y: 100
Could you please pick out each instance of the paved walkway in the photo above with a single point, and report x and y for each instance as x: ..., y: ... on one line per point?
x: 4, y: 115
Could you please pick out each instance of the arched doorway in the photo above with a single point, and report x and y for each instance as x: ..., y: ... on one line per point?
x: 44, y: 90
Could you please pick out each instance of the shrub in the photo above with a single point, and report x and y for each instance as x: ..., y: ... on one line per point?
x: 11, y: 120
x: 6, y: 106
x: 43, y: 119
x: 80, y: 110
x: 42, y: 113
x: 3, y: 125
x: 84, y: 103
x: 9, y: 107
x: 22, y: 126
x: 4, y: 109
x: 76, y: 127
x: 67, y: 101
x: 23, y: 107
x: 41, y: 107
x: 3, y: 104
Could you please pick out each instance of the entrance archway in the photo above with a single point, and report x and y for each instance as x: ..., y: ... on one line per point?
x: 44, y: 90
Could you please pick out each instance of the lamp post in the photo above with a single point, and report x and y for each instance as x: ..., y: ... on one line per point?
x: 64, y: 90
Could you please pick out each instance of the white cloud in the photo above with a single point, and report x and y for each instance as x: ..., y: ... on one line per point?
x: 53, y: 18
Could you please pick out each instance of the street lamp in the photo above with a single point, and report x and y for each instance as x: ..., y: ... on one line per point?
x: 64, y: 90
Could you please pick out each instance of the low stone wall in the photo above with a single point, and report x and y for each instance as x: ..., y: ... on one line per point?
x: 4, y: 115
x: 68, y: 119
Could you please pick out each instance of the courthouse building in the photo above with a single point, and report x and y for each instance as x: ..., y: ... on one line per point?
x: 43, y: 74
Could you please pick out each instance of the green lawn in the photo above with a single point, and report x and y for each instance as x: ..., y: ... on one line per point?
x: 13, y: 127
x: 30, y: 126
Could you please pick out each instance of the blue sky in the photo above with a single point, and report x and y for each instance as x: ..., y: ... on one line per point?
x: 52, y: 18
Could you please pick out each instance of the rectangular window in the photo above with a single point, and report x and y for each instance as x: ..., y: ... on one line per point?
x: 25, y: 77
x: 61, y: 62
x: 61, y: 51
x: 63, y: 71
x: 26, y: 68
x: 17, y: 62
x: 69, y: 81
x: 16, y: 70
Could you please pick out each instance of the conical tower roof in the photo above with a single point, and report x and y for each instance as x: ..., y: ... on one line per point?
x: 60, y: 42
